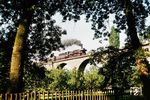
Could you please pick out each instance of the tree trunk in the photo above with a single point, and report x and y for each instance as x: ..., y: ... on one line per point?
x: 16, y: 68
x: 131, y: 23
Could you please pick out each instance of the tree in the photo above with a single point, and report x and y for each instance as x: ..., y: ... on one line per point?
x: 6, y: 42
x: 127, y: 18
x: 114, y: 38
x: 129, y: 15
x: 35, y: 78
x: 147, y: 35
x: 98, y: 12
x: 29, y: 21
x: 59, y: 79
x: 76, y: 80
x: 3, y: 69
x: 92, y: 78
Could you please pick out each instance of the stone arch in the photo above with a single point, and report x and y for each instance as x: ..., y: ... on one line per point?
x: 61, y: 66
x: 83, y: 65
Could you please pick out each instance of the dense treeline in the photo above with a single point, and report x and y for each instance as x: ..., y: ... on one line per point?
x: 61, y: 79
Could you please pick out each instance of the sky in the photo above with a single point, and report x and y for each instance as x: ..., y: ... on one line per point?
x: 78, y: 30
x: 82, y: 31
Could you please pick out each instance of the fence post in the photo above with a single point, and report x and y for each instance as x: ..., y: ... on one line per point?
x: 52, y: 95
x: 99, y: 95
x: 34, y: 95
x: 71, y: 96
x: 20, y: 95
x: 55, y: 95
x: 47, y: 94
x: 92, y: 94
x: 16, y: 96
x: 87, y: 95
x: 59, y: 93
x: 81, y: 95
x: 62, y: 95
x: 82, y: 98
x: 39, y: 95
x: 76, y: 93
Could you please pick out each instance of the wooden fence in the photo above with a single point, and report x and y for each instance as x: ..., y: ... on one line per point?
x: 71, y: 95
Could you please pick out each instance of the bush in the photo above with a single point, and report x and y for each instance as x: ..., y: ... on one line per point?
x: 93, y: 80
x: 74, y: 80
x: 58, y: 78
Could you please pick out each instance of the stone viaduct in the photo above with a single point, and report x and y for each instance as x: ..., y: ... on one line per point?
x: 76, y: 59
x: 69, y: 60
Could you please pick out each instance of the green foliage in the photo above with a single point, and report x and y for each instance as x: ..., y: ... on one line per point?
x: 6, y: 42
x: 93, y: 80
x: 114, y: 38
x: 76, y: 80
x: 135, y: 80
x: 35, y: 78
x: 129, y: 14
x: 3, y: 74
x: 58, y: 79
x: 117, y: 67
x: 145, y: 38
x: 147, y: 34
x: 42, y: 35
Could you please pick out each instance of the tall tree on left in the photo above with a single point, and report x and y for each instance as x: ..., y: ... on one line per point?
x: 34, y: 31
x: 25, y: 15
x: 16, y: 80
